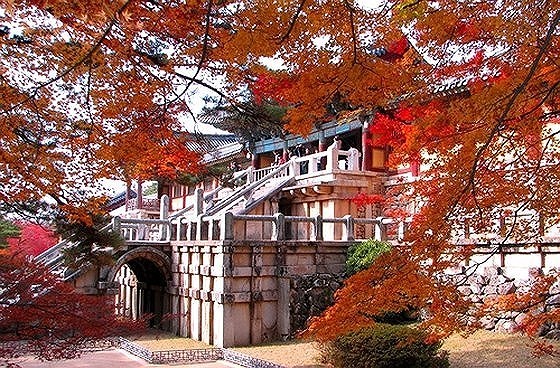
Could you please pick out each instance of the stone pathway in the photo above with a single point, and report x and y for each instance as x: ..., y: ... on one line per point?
x: 116, y: 358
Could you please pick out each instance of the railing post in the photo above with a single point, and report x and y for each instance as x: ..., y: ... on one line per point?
x: 332, y: 158
x: 199, y: 227
x: 116, y: 222
x: 353, y: 159
x: 163, y: 215
x: 294, y: 167
x: 312, y: 165
x: 317, y: 234
x: 348, y: 230
x: 278, y: 227
x: 198, y: 201
x: 250, y: 174
x: 227, y: 226
x: 190, y: 230
x: 380, y: 231
x: 179, y: 220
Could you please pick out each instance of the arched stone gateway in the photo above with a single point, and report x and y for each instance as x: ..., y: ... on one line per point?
x: 142, y: 276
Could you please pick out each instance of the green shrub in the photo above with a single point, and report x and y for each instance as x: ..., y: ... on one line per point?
x: 407, y: 315
x: 384, y: 346
x: 362, y: 255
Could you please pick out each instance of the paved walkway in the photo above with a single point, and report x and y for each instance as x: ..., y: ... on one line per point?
x: 116, y: 358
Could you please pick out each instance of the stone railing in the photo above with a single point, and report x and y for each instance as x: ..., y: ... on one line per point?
x: 242, y: 193
x: 143, y: 230
x: 268, y: 172
x: 227, y: 227
x: 504, y: 228
x: 148, y: 204
x: 325, y: 162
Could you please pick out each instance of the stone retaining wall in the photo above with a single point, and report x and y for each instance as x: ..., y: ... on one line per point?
x: 495, y: 281
x: 310, y: 295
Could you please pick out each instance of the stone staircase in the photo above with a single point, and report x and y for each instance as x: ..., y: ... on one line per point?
x: 53, y: 258
x: 254, y: 198
x: 260, y: 185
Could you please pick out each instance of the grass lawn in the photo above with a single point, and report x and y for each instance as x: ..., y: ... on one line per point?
x: 481, y: 350
x: 157, y: 340
x: 486, y: 349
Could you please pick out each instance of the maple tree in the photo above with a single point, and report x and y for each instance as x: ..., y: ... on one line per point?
x: 32, y: 239
x: 43, y: 317
x: 94, y: 89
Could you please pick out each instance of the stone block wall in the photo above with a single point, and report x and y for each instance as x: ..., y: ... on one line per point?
x: 495, y: 281
x: 310, y: 295
x: 233, y: 293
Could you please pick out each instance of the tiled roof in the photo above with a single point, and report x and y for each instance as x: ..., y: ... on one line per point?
x: 118, y: 200
x: 207, y: 143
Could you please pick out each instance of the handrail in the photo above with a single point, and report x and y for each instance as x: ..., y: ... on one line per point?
x: 46, y: 254
x: 259, y: 174
x: 245, y: 189
x: 279, y: 220
x: 207, y: 196
x: 190, y: 207
x: 250, y: 205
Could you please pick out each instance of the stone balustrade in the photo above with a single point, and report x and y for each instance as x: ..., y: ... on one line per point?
x: 275, y: 227
x: 148, y: 204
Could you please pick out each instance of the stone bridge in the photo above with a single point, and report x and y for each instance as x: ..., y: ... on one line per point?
x: 243, y: 268
x: 237, y: 280
x: 230, y: 281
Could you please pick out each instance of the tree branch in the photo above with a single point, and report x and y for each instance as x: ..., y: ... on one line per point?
x: 293, y: 22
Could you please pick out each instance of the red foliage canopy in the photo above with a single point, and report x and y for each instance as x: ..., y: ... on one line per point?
x: 44, y: 317
x: 33, y: 239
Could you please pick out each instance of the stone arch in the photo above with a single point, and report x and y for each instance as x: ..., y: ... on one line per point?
x: 156, y: 256
x: 143, y: 276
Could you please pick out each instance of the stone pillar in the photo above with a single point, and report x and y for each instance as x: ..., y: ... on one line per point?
x: 332, y: 158
x: 317, y: 234
x: 164, y: 232
x: 380, y: 230
x: 116, y: 224
x: 194, y: 294
x: 366, y: 147
x: 348, y: 228
x: 284, y: 307
x: 205, y: 296
x: 184, y: 321
x: 278, y: 227
x: 256, y: 304
x: 294, y: 167
x: 228, y: 318
x: 141, y: 296
x: 134, y: 301
x: 226, y: 227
